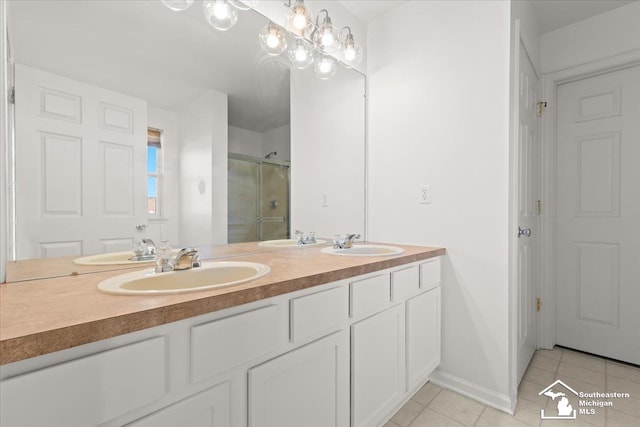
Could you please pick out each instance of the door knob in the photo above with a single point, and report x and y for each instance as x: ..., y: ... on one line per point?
x: 141, y: 227
x: 526, y: 232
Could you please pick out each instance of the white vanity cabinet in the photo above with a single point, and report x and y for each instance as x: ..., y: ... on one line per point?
x: 393, y: 351
x: 306, y: 387
x: 377, y: 365
x: 343, y: 354
x: 423, y: 336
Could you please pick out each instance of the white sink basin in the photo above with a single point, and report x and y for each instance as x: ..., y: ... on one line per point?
x: 112, y: 258
x: 283, y: 243
x: 211, y: 275
x: 365, y: 250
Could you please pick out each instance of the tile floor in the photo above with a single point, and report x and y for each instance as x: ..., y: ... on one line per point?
x: 438, y: 407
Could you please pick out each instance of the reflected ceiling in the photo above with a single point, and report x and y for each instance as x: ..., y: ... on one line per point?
x: 170, y: 57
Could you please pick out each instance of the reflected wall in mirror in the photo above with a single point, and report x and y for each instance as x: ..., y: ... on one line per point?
x: 92, y: 78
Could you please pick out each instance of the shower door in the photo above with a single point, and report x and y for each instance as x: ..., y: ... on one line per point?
x: 258, y: 200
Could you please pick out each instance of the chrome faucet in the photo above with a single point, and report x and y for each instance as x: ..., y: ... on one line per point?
x: 144, y: 251
x: 344, y: 241
x: 185, y: 259
x: 151, y: 246
x: 306, y: 239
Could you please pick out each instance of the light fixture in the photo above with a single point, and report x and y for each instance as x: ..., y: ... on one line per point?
x: 301, y: 54
x: 272, y: 39
x: 350, y: 51
x: 325, y: 66
x: 178, y: 5
x: 243, y: 5
x: 299, y: 20
x: 325, y: 36
x: 220, y: 14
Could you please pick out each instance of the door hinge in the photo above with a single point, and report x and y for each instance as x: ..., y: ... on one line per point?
x: 539, y: 207
x: 12, y: 95
x: 538, y: 305
x: 541, y: 106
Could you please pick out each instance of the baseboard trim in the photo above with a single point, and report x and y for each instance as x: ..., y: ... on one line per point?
x: 501, y: 402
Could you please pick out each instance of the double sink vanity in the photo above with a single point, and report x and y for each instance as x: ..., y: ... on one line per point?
x: 297, y: 336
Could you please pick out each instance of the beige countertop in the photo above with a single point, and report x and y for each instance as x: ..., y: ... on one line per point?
x: 42, y: 316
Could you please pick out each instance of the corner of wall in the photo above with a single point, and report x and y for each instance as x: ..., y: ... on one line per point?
x: 502, y: 402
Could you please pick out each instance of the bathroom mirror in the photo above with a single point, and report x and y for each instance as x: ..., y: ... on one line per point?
x: 98, y: 82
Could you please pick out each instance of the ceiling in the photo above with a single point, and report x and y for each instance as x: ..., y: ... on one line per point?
x: 552, y: 14
x: 369, y: 10
x: 143, y: 49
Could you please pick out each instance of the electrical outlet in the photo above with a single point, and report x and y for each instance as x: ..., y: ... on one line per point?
x: 325, y: 203
x: 424, y: 193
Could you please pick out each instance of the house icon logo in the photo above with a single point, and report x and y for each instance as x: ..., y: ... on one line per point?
x: 564, y: 410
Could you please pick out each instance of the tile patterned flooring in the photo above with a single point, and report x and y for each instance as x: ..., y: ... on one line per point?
x: 433, y: 406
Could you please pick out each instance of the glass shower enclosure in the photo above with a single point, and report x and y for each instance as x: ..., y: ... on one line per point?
x: 258, y: 199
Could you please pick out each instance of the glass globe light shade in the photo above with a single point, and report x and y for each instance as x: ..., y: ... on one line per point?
x: 351, y: 52
x: 178, y: 5
x: 272, y: 39
x: 243, y: 5
x: 325, y: 67
x: 326, y: 37
x: 299, y: 20
x: 301, y: 54
x: 220, y: 14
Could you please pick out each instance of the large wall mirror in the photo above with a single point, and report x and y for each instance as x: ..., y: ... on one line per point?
x: 133, y: 121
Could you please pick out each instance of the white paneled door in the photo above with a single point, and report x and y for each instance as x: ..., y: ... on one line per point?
x: 80, y: 166
x: 528, y: 219
x: 598, y: 215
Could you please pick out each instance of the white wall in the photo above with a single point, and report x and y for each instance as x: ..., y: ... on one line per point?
x: 250, y: 143
x: 203, y: 135
x: 243, y: 141
x: 327, y: 153
x: 166, y: 227
x: 438, y: 114
x: 278, y: 140
x: 602, y: 36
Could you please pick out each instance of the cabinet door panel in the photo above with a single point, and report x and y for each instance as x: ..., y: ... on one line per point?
x: 306, y: 387
x: 404, y: 283
x: 430, y: 274
x: 207, y: 409
x: 370, y: 294
x: 423, y: 336
x: 378, y: 365
x: 318, y: 313
x: 87, y: 391
x: 223, y: 344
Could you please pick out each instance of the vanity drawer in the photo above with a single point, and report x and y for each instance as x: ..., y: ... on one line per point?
x: 430, y: 274
x: 405, y: 283
x: 316, y: 313
x: 87, y: 391
x: 224, y: 344
x: 369, y: 295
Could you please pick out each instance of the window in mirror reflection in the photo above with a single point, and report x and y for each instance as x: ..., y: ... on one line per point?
x: 154, y: 171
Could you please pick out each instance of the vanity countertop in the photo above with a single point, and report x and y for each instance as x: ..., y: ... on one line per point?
x: 42, y: 316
